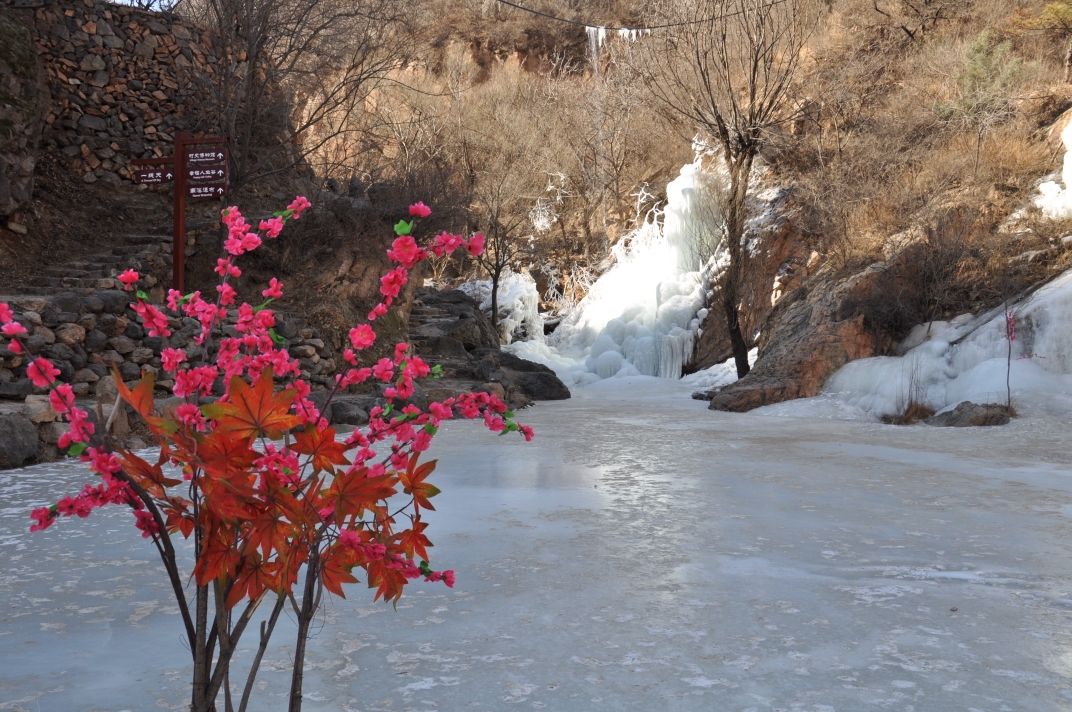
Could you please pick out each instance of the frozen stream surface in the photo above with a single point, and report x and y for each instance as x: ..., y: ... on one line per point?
x: 643, y: 553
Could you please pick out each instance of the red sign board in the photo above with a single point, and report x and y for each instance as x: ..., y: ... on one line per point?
x: 206, y: 190
x: 203, y: 174
x: 154, y: 177
x: 215, y: 155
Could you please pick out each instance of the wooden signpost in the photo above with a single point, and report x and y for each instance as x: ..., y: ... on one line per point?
x: 208, y: 156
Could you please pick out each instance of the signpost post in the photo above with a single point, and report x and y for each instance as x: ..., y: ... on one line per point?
x: 208, y: 156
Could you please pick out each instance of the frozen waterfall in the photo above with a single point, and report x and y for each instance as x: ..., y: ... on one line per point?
x: 643, y: 314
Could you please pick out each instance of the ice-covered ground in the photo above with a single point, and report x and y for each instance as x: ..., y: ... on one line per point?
x: 643, y: 553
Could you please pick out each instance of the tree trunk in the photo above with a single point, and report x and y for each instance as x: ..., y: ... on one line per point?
x: 495, y: 276
x: 202, y: 656
x: 735, y: 209
x: 740, y: 346
x: 1068, y: 62
x: 305, y: 619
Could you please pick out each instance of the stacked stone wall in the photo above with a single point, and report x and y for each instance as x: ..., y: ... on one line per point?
x: 122, y: 82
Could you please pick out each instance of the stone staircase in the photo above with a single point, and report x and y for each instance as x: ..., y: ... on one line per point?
x: 149, y: 254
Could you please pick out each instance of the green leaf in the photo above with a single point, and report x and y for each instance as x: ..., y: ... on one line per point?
x: 76, y: 450
x: 431, y: 429
x: 276, y: 337
x: 508, y: 414
x: 262, y: 306
x: 437, y: 369
x: 141, y: 294
x: 403, y: 228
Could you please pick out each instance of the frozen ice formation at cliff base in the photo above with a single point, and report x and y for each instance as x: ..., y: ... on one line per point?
x: 1055, y: 201
x: 962, y: 360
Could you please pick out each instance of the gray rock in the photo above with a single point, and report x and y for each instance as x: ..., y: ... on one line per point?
x: 447, y: 347
x: 96, y: 340
x: 541, y: 386
x: 92, y: 123
x: 66, y: 302
x: 92, y: 63
x: 18, y: 441
x: 346, y: 412
x: 968, y: 414
x: 113, y: 300
x: 16, y: 390
x: 129, y: 371
x: 121, y: 344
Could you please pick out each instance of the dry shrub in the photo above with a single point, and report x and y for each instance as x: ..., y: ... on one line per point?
x: 913, y: 413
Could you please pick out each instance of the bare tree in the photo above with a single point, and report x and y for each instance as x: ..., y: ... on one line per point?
x: 730, y: 72
x: 293, y: 77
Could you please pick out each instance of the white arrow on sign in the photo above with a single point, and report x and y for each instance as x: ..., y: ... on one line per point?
x: 169, y: 176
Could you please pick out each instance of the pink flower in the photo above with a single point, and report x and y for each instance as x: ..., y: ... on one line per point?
x: 475, y: 246
x: 144, y: 521
x: 231, y: 216
x: 440, y: 411
x: 6, y: 315
x: 404, y: 250
x: 377, y: 312
x: 392, y: 282
x: 445, y: 243
x: 191, y: 416
x: 227, y: 294
x: 448, y: 578
x: 225, y: 267
x: 171, y: 358
x: 62, y: 398
x: 362, y: 336
x: 384, y: 370
x: 527, y: 432
x: 251, y: 241
x: 42, y: 372
x: 275, y: 289
x: 233, y: 244
x: 44, y: 518
x: 420, y: 210
x: 13, y: 329
x: 128, y: 279
x: 300, y: 203
x: 272, y: 227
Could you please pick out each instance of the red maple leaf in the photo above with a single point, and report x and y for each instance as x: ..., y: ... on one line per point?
x: 256, y: 411
x: 413, y: 482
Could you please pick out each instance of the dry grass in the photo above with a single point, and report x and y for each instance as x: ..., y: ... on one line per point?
x: 913, y: 413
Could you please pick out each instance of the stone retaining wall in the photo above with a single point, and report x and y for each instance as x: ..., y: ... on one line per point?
x: 122, y: 81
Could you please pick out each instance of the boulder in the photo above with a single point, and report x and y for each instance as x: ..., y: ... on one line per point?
x: 968, y: 414
x: 18, y: 441
x: 70, y: 334
x: 539, y: 385
x: 347, y: 412
x: 809, y: 335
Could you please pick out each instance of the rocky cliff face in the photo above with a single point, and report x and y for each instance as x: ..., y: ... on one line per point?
x: 780, y: 260
x: 23, y: 102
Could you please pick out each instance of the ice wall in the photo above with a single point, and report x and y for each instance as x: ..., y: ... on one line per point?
x: 519, y: 305
x: 966, y: 359
x: 641, y: 317
x: 1055, y: 201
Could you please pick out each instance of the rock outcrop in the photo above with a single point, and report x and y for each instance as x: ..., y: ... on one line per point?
x: 808, y: 336
x: 449, y: 328
x: 779, y: 261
